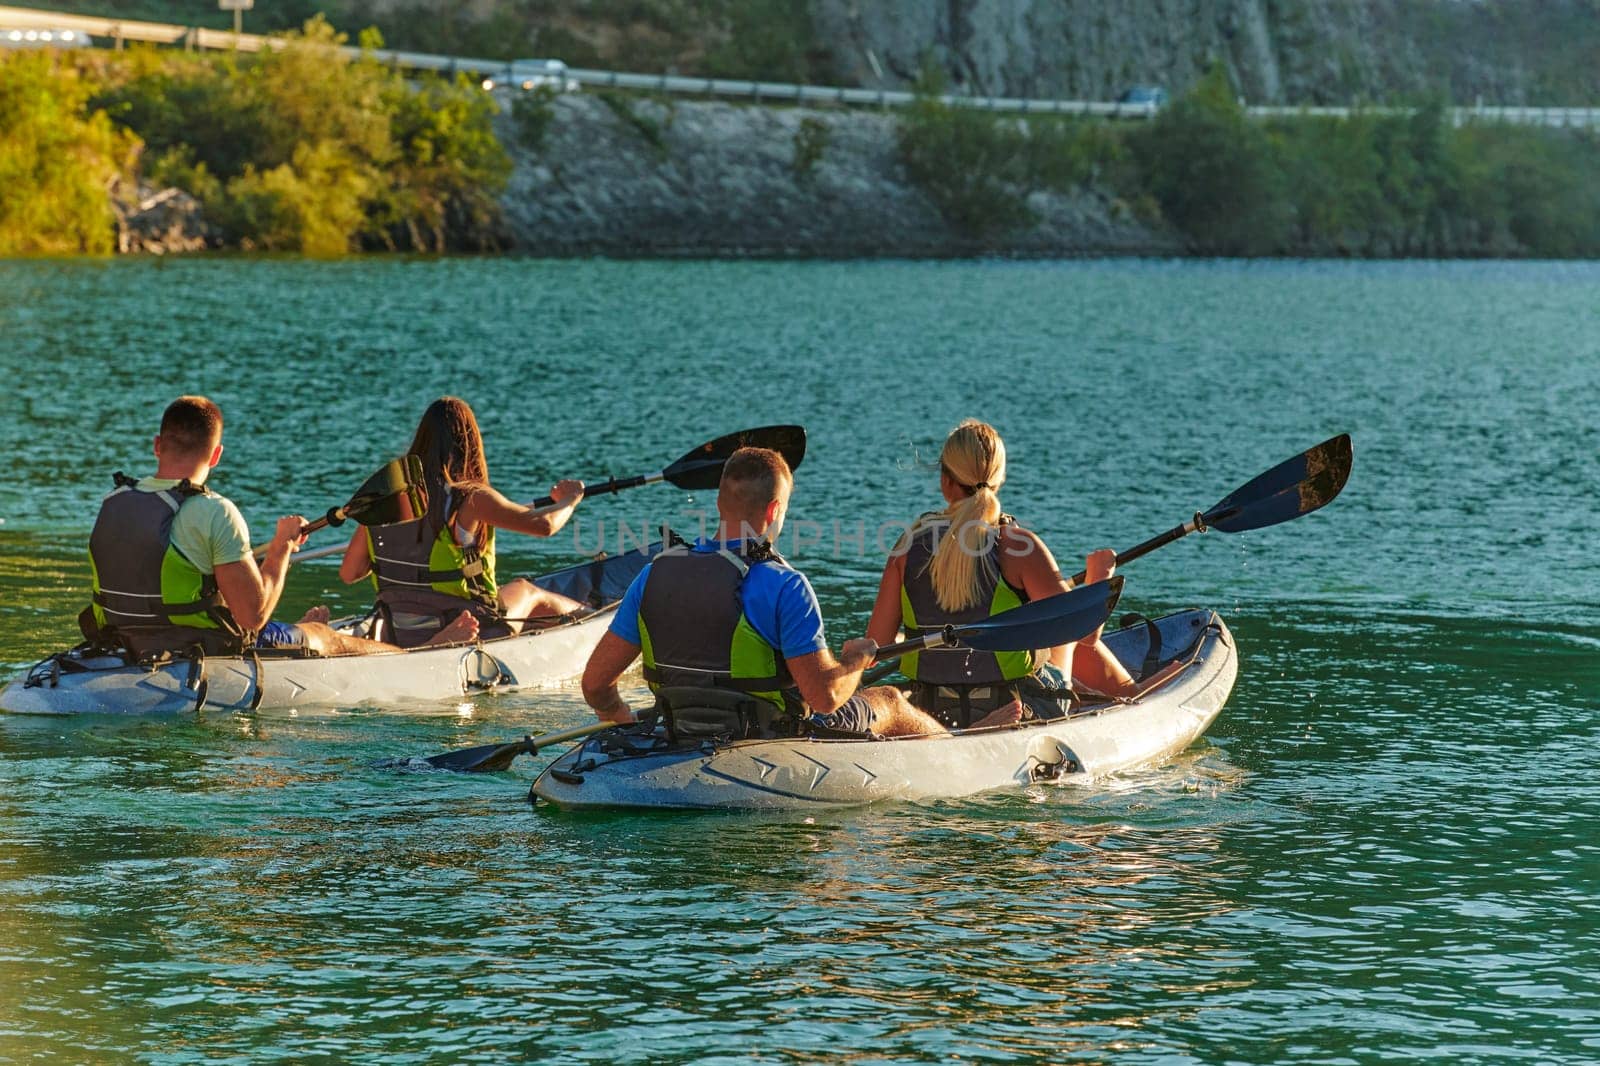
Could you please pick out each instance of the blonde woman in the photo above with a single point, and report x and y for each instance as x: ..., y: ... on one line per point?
x: 969, y: 562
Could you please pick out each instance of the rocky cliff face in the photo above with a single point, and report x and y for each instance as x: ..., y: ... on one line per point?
x: 1277, y: 51
x: 639, y: 177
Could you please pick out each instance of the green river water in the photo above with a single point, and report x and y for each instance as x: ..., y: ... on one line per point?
x: 1386, y: 848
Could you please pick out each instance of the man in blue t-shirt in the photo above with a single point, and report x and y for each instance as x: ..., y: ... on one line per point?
x: 766, y: 640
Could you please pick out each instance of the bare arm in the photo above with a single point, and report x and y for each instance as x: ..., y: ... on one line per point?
x: 825, y: 683
x: 610, y: 658
x: 1026, y: 562
x: 884, y: 625
x: 1095, y: 665
x: 357, y: 562
x: 487, y: 507
x: 252, y: 594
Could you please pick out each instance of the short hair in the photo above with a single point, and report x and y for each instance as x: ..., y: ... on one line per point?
x: 192, y: 425
x: 752, y: 476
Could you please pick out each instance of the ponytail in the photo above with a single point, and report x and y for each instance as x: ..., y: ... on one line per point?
x: 974, y: 457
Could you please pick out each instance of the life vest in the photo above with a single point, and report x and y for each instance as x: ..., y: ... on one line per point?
x: 146, y: 593
x: 694, y: 632
x: 424, y: 577
x: 920, y: 613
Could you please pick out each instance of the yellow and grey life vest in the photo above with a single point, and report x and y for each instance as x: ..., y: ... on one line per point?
x: 146, y: 593
x: 423, y: 574
x: 693, y: 630
x: 920, y: 613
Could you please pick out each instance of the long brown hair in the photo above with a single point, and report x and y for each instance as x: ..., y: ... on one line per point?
x: 450, y: 446
x: 974, y: 457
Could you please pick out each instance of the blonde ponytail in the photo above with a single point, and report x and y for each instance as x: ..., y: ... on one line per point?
x: 974, y: 457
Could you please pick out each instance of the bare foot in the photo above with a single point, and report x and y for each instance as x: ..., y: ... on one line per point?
x: 1007, y: 715
x: 462, y: 628
x: 319, y: 613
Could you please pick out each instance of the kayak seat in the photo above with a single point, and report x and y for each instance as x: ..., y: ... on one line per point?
x: 720, y: 715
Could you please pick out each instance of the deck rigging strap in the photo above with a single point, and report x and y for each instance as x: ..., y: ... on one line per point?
x: 198, y: 680
x: 1152, y: 656
x: 260, y: 684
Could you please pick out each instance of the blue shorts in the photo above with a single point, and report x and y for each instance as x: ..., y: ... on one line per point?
x: 1041, y: 705
x: 855, y: 716
x: 280, y: 635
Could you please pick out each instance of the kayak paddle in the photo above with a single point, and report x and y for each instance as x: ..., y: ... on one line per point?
x: 393, y: 495
x: 1293, y: 488
x: 701, y: 468
x: 1041, y: 624
x: 1061, y: 619
x: 697, y: 470
x: 491, y: 758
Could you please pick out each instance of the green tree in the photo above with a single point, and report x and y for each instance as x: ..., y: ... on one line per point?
x: 304, y: 148
x: 58, y: 158
x: 970, y: 164
x: 1214, y: 172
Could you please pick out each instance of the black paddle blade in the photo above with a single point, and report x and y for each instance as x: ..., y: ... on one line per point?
x: 483, y: 759
x: 701, y: 469
x: 1045, y: 623
x: 395, y: 494
x: 492, y: 758
x: 1292, y: 488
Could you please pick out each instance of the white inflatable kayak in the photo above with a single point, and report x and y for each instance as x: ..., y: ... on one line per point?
x: 618, y: 769
x: 84, y: 681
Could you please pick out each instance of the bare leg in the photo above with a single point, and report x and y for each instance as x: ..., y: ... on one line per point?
x: 462, y: 628
x: 319, y: 613
x: 1093, y: 665
x: 1007, y: 715
x: 894, y: 716
x: 1160, y: 677
x: 325, y: 641
x: 522, y: 599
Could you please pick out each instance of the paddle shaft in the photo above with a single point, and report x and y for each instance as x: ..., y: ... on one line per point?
x: 493, y: 757
x: 616, y: 484
x: 1297, y: 486
x: 1139, y: 551
x: 542, y: 506
x: 335, y: 517
x: 338, y: 549
x: 697, y: 469
x: 940, y: 639
x: 562, y: 736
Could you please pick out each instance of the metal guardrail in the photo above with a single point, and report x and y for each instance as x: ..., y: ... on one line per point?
x: 119, y: 30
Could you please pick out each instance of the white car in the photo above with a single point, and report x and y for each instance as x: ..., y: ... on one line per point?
x: 530, y: 74
x: 35, y: 37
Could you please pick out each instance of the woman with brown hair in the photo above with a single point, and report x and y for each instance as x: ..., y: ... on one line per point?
x: 967, y: 563
x: 431, y: 571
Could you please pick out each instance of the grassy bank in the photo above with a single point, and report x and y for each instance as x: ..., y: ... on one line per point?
x: 294, y: 150
x: 1370, y: 185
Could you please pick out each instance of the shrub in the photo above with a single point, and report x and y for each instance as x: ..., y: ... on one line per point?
x: 970, y: 164
x: 1214, y: 172
x: 622, y: 105
x: 531, y: 115
x: 58, y: 158
x: 302, y: 148
x: 810, y: 144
